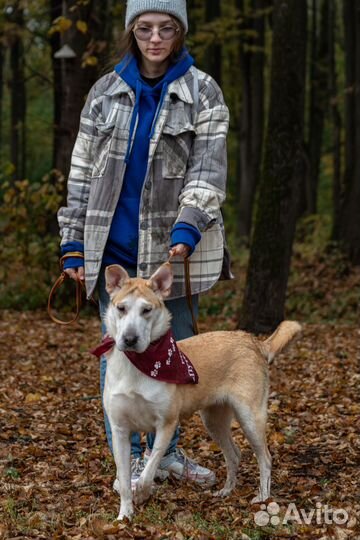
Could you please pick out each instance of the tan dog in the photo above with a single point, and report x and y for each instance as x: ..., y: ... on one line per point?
x: 233, y: 383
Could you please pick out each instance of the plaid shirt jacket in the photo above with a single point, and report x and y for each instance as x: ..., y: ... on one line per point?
x: 185, y: 179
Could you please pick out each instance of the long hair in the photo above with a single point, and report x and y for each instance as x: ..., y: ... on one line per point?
x: 128, y: 46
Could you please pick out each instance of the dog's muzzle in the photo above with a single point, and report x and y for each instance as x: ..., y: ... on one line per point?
x: 130, y: 341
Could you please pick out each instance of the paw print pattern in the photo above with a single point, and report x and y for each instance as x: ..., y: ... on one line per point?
x: 171, y: 351
x: 268, y: 514
x: 169, y: 358
x: 155, y: 371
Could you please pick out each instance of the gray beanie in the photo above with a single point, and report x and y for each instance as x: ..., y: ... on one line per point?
x: 173, y: 7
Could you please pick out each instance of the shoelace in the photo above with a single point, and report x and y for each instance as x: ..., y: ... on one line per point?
x: 137, y: 465
x: 185, y: 461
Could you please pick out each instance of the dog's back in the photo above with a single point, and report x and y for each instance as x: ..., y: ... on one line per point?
x: 232, y: 361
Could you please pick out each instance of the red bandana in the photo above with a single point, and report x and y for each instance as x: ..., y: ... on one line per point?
x: 162, y: 360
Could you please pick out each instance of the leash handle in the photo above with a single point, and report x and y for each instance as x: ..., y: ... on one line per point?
x: 58, y: 283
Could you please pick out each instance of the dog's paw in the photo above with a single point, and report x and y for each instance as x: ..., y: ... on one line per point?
x: 224, y: 492
x: 125, y: 514
x: 142, y: 492
x: 257, y: 499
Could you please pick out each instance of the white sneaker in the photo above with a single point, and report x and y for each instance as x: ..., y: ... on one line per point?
x: 137, y: 467
x: 179, y: 466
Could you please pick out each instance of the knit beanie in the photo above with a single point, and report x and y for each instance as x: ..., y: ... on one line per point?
x: 173, y: 7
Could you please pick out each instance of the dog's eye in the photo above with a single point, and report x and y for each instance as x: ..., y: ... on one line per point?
x: 147, y: 310
x: 121, y: 309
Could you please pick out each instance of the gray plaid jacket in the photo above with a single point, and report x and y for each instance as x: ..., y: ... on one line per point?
x: 185, y: 179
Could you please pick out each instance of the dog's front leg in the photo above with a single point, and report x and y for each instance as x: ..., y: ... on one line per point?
x: 161, y: 443
x: 122, y: 448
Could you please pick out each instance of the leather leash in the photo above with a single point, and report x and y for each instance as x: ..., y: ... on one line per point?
x: 189, y: 295
x: 80, y: 286
x: 78, y: 293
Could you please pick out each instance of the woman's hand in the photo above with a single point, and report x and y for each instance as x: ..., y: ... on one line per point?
x: 76, y: 273
x: 180, y: 250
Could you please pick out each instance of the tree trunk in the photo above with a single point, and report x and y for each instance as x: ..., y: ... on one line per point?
x: 251, y: 120
x: 318, y: 100
x: 349, y: 226
x: 191, y: 7
x: 72, y: 79
x: 2, y: 63
x: 263, y: 306
x: 336, y: 120
x: 18, y: 94
x: 55, y: 42
x: 214, y: 61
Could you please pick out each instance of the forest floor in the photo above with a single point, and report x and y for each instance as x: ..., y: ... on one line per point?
x: 57, y: 472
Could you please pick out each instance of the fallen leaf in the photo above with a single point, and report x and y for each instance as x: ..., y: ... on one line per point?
x: 32, y: 398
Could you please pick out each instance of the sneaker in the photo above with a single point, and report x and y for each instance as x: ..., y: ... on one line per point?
x: 179, y: 466
x: 137, y: 467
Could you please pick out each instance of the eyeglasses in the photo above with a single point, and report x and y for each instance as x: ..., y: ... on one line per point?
x: 145, y: 33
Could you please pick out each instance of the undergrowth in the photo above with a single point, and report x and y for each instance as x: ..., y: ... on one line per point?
x: 322, y: 287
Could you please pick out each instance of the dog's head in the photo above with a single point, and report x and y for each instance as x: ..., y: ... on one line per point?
x: 137, y: 315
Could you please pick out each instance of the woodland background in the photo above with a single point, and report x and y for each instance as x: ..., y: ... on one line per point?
x: 290, y: 73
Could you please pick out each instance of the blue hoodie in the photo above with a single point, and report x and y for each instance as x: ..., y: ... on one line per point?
x: 122, y: 244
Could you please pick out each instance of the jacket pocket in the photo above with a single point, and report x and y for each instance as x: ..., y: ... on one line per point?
x: 102, y: 151
x: 176, y: 143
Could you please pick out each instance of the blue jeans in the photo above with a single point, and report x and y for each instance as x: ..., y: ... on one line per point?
x: 182, y: 328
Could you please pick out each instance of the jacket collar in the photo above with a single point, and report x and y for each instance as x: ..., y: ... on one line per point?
x: 181, y: 87
x: 117, y: 86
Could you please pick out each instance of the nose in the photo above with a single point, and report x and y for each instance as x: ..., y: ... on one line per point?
x: 155, y: 37
x: 131, y: 340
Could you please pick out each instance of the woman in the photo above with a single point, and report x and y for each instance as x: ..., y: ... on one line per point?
x: 148, y: 173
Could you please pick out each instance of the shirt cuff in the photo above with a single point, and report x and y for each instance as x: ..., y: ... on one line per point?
x: 72, y: 262
x: 183, y: 233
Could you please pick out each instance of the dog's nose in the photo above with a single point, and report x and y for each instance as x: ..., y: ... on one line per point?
x: 130, y: 340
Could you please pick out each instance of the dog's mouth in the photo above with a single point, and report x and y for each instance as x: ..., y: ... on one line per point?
x: 131, y: 347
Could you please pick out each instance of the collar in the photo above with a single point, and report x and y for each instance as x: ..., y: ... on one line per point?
x: 181, y: 87
x: 118, y: 86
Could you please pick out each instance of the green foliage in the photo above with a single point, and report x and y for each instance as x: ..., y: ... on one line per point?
x: 12, y: 472
x: 29, y: 249
x: 39, y: 85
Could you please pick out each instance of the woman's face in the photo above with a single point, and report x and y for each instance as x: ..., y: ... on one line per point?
x: 152, y: 32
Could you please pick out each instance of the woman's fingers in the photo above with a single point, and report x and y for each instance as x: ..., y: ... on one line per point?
x: 75, y: 273
x: 70, y: 272
x: 180, y: 250
x: 81, y: 273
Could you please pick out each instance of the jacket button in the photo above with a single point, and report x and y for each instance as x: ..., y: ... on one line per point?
x: 143, y: 266
x: 143, y: 225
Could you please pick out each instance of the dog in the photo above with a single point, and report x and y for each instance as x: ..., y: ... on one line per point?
x: 233, y: 382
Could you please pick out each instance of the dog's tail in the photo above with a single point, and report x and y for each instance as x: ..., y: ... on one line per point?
x: 285, y: 332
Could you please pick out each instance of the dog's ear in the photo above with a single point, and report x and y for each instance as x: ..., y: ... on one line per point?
x: 115, y: 277
x: 161, y: 280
